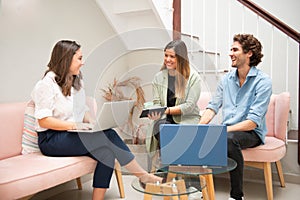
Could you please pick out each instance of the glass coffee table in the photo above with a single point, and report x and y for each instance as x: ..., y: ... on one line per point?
x: 192, y: 179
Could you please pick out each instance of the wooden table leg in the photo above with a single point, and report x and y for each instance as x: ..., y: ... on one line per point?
x: 147, y: 197
x: 184, y: 197
x: 204, y: 187
x: 170, y: 176
x: 181, y: 188
x: 151, y: 188
x: 210, y: 186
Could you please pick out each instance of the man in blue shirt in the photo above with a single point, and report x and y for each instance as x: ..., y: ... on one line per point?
x: 244, y: 94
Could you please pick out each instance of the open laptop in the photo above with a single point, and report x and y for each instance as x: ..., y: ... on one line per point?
x: 193, y: 145
x: 112, y: 114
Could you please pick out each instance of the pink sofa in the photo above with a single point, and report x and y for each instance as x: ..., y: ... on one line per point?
x: 22, y: 176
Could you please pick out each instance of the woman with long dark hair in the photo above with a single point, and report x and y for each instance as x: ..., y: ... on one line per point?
x: 60, y: 106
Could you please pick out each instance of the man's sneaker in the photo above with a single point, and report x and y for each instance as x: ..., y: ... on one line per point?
x: 234, y: 199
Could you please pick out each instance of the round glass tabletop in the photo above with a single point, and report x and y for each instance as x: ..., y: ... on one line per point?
x: 172, y: 185
x: 197, y: 170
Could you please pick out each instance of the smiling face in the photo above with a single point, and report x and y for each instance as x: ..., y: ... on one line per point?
x: 238, y: 57
x: 76, y: 63
x: 170, y: 59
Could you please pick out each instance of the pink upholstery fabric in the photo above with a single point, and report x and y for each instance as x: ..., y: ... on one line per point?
x: 11, y: 127
x: 23, y: 175
x: 203, y: 100
x: 277, y: 116
x: 272, y: 151
x: 282, y: 107
x: 28, y: 174
x: 270, y: 117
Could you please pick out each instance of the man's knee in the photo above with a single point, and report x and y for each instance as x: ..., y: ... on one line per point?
x: 232, y: 143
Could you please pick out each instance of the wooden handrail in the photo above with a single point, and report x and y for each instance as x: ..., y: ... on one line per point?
x: 272, y: 19
x: 177, y: 19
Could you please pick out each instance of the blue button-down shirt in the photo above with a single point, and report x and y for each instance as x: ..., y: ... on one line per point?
x: 247, y: 102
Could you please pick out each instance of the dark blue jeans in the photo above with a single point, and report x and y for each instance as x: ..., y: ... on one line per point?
x: 237, y: 141
x: 103, y: 146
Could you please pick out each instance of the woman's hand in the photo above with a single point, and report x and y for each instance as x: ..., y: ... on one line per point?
x: 57, y: 124
x: 83, y: 126
x: 154, y: 116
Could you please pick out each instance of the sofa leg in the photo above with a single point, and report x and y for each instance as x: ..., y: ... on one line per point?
x: 280, y: 174
x: 119, y: 178
x: 79, y: 185
x: 268, y: 180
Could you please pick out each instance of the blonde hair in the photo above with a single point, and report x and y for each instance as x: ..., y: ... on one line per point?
x: 182, y: 68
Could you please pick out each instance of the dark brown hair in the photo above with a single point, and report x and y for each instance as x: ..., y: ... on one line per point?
x: 250, y: 43
x: 60, y: 62
x: 182, y: 68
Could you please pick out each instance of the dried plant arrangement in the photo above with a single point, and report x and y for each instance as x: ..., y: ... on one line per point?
x: 114, y: 92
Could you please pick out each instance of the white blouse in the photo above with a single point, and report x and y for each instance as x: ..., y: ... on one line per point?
x: 50, y: 101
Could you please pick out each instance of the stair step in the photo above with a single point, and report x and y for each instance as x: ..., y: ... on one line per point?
x: 122, y: 7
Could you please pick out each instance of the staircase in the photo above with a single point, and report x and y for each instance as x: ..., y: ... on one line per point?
x: 147, y: 24
x: 136, y: 22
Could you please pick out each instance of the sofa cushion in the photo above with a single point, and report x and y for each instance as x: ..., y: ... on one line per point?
x: 272, y: 144
x: 29, y: 137
x: 18, y: 173
x: 11, y: 126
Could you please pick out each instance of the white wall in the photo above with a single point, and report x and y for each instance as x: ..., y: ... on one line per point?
x: 287, y: 11
x: 28, y: 31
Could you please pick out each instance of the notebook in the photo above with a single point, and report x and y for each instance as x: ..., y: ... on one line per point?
x: 112, y: 114
x: 193, y: 144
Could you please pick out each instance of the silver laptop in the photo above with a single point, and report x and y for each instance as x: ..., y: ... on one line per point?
x: 111, y: 115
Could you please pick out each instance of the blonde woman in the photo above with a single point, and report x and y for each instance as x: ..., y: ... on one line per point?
x: 176, y: 86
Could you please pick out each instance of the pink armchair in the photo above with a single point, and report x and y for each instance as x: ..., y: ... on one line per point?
x: 274, y: 148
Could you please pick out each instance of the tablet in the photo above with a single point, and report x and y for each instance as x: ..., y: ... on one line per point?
x: 160, y: 110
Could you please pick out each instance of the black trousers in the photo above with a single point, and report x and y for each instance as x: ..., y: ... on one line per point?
x: 237, y: 141
x: 156, y: 131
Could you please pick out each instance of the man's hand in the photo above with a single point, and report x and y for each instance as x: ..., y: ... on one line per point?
x: 207, y: 116
x: 246, y: 125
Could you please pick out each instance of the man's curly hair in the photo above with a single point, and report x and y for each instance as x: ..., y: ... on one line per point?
x: 250, y: 43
